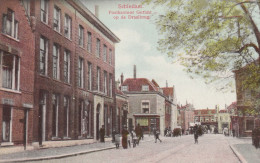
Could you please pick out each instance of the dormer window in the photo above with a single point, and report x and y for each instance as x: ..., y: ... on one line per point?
x: 145, y: 88
x: 124, y: 88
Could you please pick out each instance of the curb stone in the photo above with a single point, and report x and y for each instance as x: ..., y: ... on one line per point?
x: 239, y: 156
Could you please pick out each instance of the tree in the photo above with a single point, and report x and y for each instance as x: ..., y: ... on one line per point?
x: 212, y: 38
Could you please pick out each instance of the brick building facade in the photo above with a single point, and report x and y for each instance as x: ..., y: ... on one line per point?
x: 16, y: 73
x: 74, y: 72
x: 185, y: 116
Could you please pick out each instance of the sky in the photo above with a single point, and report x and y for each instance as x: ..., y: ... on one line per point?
x: 138, y: 46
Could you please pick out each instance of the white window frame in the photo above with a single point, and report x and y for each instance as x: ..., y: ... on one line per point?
x: 67, y: 63
x: 98, y: 47
x: 15, y: 73
x: 110, y: 85
x: 124, y: 88
x: 81, y: 73
x: 56, y: 50
x: 142, y: 102
x: 105, y: 82
x: 44, y: 11
x: 105, y: 53
x: 67, y: 26
x: 26, y: 4
x: 98, y: 79
x: 89, y: 76
x: 45, y: 51
x: 56, y: 19
x: 145, y: 87
x: 81, y: 36
x: 13, y: 25
x: 110, y: 56
x: 89, y: 47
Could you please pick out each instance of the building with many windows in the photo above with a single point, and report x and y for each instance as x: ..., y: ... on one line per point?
x: 185, y: 116
x: 74, y: 85
x: 16, y: 73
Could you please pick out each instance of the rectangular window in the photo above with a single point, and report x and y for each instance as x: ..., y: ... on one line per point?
x: 26, y: 4
x: 124, y: 88
x: 145, y: 107
x: 56, y: 19
x: 9, y: 71
x: 110, y: 56
x: 6, y: 124
x: 105, y: 53
x: 67, y: 26
x: 81, y: 35
x: 89, y: 42
x: 44, y: 11
x: 98, y: 79
x: 105, y: 82
x: 67, y: 66
x: 98, y: 48
x: 66, y: 115
x: 55, y: 111
x: 56, y: 62
x: 89, y: 76
x: 110, y: 85
x: 10, y: 25
x: 249, y: 124
x: 43, y: 55
x: 80, y: 73
x: 145, y: 88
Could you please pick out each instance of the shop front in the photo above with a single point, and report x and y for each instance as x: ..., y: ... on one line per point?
x: 147, y: 122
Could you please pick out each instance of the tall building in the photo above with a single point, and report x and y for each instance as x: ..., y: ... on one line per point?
x: 16, y: 73
x: 185, y: 116
x: 74, y: 72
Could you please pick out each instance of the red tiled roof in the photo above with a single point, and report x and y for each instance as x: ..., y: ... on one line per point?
x: 205, y: 111
x: 155, y: 83
x: 168, y: 91
x: 233, y: 105
x: 222, y: 111
x: 135, y: 84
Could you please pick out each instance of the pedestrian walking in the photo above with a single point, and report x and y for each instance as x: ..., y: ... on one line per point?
x: 196, y: 136
x: 124, y: 137
x: 102, y: 134
x: 233, y: 132
x: 138, y: 132
x: 129, y: 140
x: 156, y: 135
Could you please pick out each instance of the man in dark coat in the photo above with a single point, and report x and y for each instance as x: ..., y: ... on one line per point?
x: 196, y: 134
x: 102, y: 134
x: 124, y: 137
x: 138, y: 131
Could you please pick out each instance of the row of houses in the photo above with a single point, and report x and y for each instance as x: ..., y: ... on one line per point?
x: 57, y: 68
x: 146, y: 104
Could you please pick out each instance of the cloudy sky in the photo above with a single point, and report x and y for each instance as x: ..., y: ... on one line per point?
x: 138, y: 47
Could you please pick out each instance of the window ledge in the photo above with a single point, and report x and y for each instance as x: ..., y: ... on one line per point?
x: 10, y: 90
x: 5, y: 144
x: 68, y: 38
x: 6, y: 35
x: 45, y: 24
x: 58, y: 32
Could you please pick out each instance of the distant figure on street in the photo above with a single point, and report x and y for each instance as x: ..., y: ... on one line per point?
x: 124, y: 137
x: 233, y: 132
x: 156, y: 135
x: 196, y: 134
x: 102, y: 134
x: 113, y: 135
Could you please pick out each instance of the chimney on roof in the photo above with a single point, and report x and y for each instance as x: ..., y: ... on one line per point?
x: 122, y: 78
x: 97, y: 11
x: 166, y: 84
x: 134, y: 71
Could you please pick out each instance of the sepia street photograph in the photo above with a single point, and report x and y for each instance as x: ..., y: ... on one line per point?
x: 135, y: 81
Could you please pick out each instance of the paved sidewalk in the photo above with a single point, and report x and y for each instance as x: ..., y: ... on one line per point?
x: 244, y: 149
x: 57, y: 149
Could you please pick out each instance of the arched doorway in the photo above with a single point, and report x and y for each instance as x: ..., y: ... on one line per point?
x: 97, y: 121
